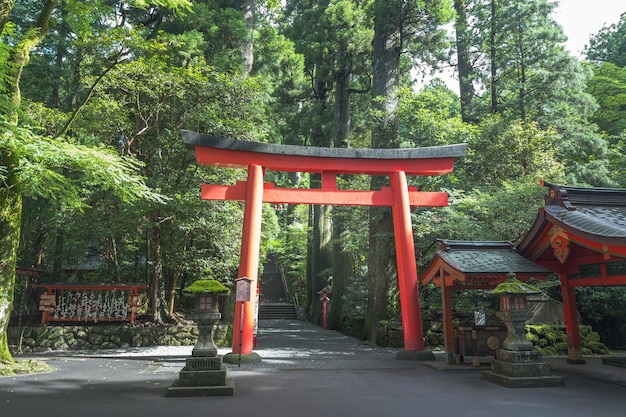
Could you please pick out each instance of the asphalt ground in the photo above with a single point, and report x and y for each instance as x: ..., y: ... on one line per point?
x: 305, y: 372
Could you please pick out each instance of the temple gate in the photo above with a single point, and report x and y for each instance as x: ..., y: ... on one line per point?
x: 329, y: 162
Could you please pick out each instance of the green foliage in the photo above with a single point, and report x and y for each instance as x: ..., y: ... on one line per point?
x: 42, y: 164
x: 505, y: 150
x: 213, y: 32
x: 505, y: 212
x: 604, y: 309
x: 431, y: 117
x: 178, y: 5
x: 608, y: 86
x: 5, y: 73
x: 609, y: 44
x: 291, y: 248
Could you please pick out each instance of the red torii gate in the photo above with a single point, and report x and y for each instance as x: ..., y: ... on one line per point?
x: 329, y: 162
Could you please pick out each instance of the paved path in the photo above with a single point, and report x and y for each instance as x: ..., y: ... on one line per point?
x: 306, y: 372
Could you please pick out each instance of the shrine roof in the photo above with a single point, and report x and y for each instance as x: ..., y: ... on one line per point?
x: 480, y: 262
x: 594, y: 218
x: 473, y: 257
x: 596, y: 212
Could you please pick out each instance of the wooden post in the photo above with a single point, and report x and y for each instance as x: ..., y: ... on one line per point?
x: 407, y: 270
x: 243, y: 331
x: 448, y: 329
x: 574, y: 345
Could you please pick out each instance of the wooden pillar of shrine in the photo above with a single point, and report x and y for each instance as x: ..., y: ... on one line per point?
x: 574, y: 345
x: 448, y: 327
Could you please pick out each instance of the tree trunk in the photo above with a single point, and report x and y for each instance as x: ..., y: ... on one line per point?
x: 342, y: 270
x: 381, y: 269
x: 172, y: 298
x: 10, y: 224
x: 321, y: 259
x: 494, y: 66
x: 342, y: 257
x: 59, y: 243
x: 464, y: 66
x: 11, y: 190
x: 156, y: 291
x: 248, y: 47
x: 521, y: 73
x: 381, y: 265
x: 39, y: 245
x: 5, y: 10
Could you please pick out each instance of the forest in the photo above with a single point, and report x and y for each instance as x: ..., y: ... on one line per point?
x: 93, y: 95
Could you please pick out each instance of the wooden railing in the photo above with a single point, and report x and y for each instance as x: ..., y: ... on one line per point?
x: 84, y: 302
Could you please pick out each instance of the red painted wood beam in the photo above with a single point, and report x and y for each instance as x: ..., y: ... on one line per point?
x: 597, y: 281
x: 384, y: 197
x: 90, y: 287
x: 295, y: 163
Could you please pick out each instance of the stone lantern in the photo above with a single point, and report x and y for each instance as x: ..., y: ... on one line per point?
x: 207, y: 293
x: 514, y: 312
x: 204, y: 374
x: 517, y: 365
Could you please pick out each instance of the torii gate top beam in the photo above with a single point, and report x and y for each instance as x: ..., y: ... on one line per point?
x: 218, y: 151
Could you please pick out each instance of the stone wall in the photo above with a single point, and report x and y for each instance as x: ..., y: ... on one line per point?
x: 109, y: 336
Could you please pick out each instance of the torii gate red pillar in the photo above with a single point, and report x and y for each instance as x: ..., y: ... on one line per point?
x: 329, y: 162
x: 405, y: 257
x: 243, y: 330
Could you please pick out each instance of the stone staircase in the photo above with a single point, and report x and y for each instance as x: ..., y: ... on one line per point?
x: 273, y: 311
x: 273, y: 298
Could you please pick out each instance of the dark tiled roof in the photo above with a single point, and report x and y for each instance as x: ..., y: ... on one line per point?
x: 471, y: 257
x: 596, y: 213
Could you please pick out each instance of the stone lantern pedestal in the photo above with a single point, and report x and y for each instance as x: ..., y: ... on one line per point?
x: 203, y: 374
x: 517, y: 365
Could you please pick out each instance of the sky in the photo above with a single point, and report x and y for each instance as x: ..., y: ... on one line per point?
x: 582, y: 18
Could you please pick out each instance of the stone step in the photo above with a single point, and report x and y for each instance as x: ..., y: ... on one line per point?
x: 269, y: 311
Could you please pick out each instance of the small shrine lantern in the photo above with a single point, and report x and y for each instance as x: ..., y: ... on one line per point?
x: 207, y: 293
x: 514, y: 312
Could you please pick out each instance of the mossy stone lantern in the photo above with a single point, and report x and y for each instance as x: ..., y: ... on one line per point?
x: 517, y: 365
x: 207, y: 293
x: 514, y: 312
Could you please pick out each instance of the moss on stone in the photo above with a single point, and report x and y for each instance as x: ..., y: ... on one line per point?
x: 513, y: 286
x: 207, y: 286
x: 24, y: 367
x: 551, y: 339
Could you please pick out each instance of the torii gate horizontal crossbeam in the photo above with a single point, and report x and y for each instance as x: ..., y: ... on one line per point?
x: 225, y: 152
x: 384, y: 197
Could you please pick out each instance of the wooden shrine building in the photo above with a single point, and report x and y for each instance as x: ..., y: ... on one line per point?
x: 472, y: 265
x: 580, y: 235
